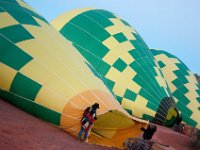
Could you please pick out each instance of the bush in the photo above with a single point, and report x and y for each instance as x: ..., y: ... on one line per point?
x: 195, y: 144
x: 198, y: 135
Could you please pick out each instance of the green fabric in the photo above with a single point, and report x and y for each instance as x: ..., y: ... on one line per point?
x: 101, y: 18
x: 21, y: 15
x: 25, y: 87
x: 130, y: 95
x: 103, y: 68
x: 180, y: 96
x: 184, y: 109
x: 170, y: 122
x: 88, y: 32
x: 135, y: 54
x: 120, y: 65
x: 119, y: 99
x: 162, y: 117
x: 189, y: 121
x: 104, y: 13
x: 31, y: 107
x: 16, y: 33
x: 147, y: 117
x: 125, y: 23
x: 12, y: 55
x: 182, y: 73
x: 11, y: 1
x: 85, y: 40
x: 33, y: 14
x: 161, y: 64
x: 120, y: 37
x: 109, y: 83
x: 1, y: 10
x: 90, y: 27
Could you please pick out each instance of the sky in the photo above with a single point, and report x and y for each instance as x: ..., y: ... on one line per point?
x: 170, y: 25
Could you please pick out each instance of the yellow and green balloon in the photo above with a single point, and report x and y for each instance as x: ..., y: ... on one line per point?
x: 117, y: 55
x: 43, y: 74
x: 183, y: 86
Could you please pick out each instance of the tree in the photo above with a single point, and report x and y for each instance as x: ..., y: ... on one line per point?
x: 197, y: 77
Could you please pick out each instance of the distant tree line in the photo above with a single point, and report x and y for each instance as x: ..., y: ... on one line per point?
x: 197, y: 77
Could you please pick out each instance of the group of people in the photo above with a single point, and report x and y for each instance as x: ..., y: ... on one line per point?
x: 90, y: 115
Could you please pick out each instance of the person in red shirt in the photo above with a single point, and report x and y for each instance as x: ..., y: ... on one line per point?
x: 89, y: 116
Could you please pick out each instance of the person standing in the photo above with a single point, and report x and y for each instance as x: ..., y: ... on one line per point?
x: 89, y: 116
x: 149, y: 132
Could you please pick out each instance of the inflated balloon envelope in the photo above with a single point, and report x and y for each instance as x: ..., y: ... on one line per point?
x: 183, y: 85
x: 43, y: 74
x: 122, y: 60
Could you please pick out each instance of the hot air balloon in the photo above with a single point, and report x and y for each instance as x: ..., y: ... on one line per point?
x: 183, y: 86
x: 116, y: 54
x: 43, y: 74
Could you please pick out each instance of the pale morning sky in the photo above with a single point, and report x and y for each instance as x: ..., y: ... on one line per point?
x: 171, y: 25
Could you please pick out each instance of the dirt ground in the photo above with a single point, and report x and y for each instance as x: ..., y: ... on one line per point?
x: 167, y: 136
x: 21, y: 131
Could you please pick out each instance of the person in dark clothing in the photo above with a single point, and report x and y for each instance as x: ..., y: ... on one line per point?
x: 177, y: 123
x: 179, y: 120
x: 89, y: 116
x: 149, y: 132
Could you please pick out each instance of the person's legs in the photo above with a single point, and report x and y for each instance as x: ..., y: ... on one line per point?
x: 85, y: 135
x: 80, y: 133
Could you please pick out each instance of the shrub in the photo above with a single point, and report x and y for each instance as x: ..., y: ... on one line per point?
x: 198, y: 134
x: 195, y: 144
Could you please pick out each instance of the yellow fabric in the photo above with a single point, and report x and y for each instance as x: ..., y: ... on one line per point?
x: 193, y: 95
x: 113, y: 128
x: 139, y: 104
x: 59, y: 21
x: 168, y: 72
x: 8, y: 21
x: 7, y: 74
x: 171, y: 113
x: 21, y: 3
x: 67, y: 84
x: 127, y: 58
x: 160, y: 79
x: 57, y: 68
x: 39, y: 74
x: 119, y: 26
x: 107, y: 122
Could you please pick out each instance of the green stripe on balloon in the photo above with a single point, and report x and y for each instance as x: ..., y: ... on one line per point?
x: 25, y: 87
x: 14, y: 56
x: 31, y: 107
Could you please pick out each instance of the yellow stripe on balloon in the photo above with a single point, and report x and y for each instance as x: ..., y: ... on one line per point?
x: 8, y: 21
x: 7, y: 75
x: 62, y: 19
